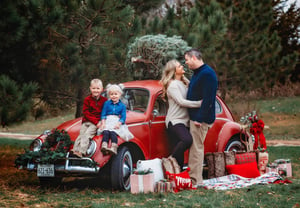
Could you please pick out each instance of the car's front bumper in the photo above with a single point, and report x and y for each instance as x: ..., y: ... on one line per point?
x: 70, y: 165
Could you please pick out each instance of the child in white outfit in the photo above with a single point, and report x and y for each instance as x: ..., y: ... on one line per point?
x: 113, y: 119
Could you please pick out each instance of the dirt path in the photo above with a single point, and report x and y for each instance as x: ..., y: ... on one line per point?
x: 17, y: 136
x: 269, y: 142
x: 283, y: 143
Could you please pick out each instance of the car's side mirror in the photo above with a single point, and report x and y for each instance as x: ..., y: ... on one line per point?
x: 155, y: 113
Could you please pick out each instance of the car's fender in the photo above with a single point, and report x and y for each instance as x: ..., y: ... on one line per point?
x: 138, y: 144
x: 228, y: 130
x: 132, y: 144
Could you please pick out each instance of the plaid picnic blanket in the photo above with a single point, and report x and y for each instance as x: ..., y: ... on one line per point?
x: 235, y: 181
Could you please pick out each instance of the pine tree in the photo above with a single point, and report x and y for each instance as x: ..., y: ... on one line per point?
x: 91, y: 41
x: 64, y: 44
x: 249, y: 57
x: 202, y: 26
x: 148, y: 54
x: 287, y: 24
x: 235, y: 39
x: 16, y: 51
x: 15, y: 101
x: 143, y: 6
x: 25, y: 46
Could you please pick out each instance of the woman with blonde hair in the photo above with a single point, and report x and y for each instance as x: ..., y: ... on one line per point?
x: 175, y: 86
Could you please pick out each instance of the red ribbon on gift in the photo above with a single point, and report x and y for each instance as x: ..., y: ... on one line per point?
x: 257, y: 130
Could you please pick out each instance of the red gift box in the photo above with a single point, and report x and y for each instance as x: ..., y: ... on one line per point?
x: 142, y: 183
x: 245, y: 157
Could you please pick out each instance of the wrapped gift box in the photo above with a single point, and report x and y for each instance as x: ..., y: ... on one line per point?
x: 164, y: 186
x: 273, y: 167
x: 284, y: 167
x: 263, y: 159
x: 142, y: 183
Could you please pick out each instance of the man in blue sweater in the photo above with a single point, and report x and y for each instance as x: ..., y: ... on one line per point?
x: 203, y: 86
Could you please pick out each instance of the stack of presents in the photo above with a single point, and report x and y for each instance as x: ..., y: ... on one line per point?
x: 250, y: 164
x: 159, y: 175
x: 163, y: 175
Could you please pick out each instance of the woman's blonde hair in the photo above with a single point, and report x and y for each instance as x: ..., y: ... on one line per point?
x: 169, y: 74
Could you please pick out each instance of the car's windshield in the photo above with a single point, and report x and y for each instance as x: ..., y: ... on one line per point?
x: 135, y: 99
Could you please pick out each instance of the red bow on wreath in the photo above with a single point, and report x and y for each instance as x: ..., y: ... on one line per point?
x: 257, y: 130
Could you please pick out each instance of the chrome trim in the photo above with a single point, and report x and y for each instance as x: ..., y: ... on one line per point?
x: 67, y: 168
x: 145, y: 123
x: 74, y: 124
x: 154, y: 122
x: 158, y: 122
x: 80, y: 169
x: 138, y: 124
x: 223, y: 119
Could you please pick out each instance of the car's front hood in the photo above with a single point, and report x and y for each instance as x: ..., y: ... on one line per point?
x: 72, y: 127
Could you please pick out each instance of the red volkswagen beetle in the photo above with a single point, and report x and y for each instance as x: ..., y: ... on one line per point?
x: 146, y: 113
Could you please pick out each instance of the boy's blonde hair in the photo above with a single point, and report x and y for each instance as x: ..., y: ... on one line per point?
x: 115, y: 87
x: 97, y: 81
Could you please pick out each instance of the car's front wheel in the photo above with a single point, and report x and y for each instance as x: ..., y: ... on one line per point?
x: 121, y: 169
x: 235, y: 144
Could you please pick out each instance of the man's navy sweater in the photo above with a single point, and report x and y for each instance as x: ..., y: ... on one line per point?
x: 203, y: 86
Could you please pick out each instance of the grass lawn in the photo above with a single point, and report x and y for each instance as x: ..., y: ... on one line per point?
x: 281, y: 115
x: 20, y: 188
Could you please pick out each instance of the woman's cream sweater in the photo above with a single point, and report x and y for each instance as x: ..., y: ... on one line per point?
x: 178, y: 104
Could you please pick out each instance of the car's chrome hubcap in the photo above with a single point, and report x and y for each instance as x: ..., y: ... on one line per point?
x: 127, y: 166
x: 126, y: 170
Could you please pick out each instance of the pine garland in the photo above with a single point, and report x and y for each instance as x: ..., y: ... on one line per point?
x: 54, y: 148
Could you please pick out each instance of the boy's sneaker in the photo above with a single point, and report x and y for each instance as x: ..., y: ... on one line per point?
x: 77, y: 154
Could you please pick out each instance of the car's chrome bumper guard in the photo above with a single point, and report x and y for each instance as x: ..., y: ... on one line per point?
x: 69, y: 168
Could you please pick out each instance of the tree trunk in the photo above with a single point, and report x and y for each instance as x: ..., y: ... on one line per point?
x: 79, y: 102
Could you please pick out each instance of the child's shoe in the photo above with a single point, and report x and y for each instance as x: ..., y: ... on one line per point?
x: 77, y: 154
x: 104, y: 148
x: 114, y: 149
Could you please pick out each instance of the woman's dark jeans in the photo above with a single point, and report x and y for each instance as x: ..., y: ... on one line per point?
x: 182, y: 139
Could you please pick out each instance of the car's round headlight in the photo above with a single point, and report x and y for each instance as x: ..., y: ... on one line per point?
x: 47, y: 132
x: 91, y: 149
x: 36, y: 145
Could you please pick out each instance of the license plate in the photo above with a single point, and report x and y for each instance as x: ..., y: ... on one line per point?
x: 45, y: 170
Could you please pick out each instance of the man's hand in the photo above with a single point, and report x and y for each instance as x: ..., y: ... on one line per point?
x: 197, y: 124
